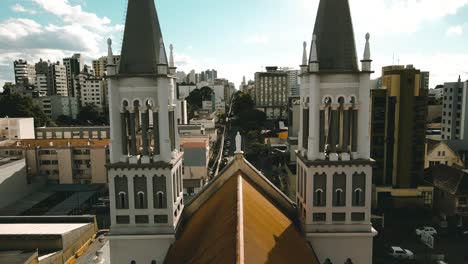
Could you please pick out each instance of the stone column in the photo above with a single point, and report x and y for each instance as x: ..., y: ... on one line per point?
x: 133, y: 150
x: 144, y: 131
x: 314, y: 117
x: 124, y: 130
x: 354, y: 130
x: 157, y: 147
x: 346, y: 130
x: 131, y: 198
x: 150, y: 195
x: 334, y: 128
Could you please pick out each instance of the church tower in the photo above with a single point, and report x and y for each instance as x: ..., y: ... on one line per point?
x: 145, y: 169
x: 334, y: 173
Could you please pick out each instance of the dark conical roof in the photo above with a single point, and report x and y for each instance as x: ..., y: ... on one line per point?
x: 142, y: 39
x: 336, y: 48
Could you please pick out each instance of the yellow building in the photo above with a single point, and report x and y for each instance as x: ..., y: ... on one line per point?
x: 63, y: 161
x: 449, y: 152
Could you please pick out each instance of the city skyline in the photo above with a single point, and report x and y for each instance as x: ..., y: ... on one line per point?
x: 429, y: 35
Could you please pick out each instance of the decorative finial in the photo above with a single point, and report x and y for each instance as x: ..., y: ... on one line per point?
x: 366, y: 62
x: 109, y: 42
x: 162, y: 52
x: 238, y: 144
x: 367, y: 36
x: 171, y: 59
x: 304, y: 54
x: 313, y: 53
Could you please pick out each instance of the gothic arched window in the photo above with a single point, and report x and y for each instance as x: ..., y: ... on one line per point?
x: 319, y: 197
x: 339, y: 197
x: 160, y: 200
x: 358, y: 201
x: 141, y: 200
x: 122, y: 200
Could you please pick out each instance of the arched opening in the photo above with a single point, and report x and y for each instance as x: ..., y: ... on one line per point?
x: 141, y: 200
x: 153, y: 262
x: 122, y: 199
x: 319, y: 197
x: 133, y: 262
x: 160, y: 200
x: 339, y: 199
x: 358, y: 197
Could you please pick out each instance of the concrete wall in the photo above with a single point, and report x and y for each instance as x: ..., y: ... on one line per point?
x: 98, y: 169
x: 338, y: 247
x: 141, y: 249
x: 13, y: 182
x: 65, y: 166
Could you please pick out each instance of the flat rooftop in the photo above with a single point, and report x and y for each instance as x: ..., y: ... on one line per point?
x: 54, y: 143
x: 39, y: 229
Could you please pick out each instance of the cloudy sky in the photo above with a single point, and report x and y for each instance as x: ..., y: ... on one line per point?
x: 240, y: 37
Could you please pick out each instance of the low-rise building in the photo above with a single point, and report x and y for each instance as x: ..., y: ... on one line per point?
x: 196, y: 158
x: 450, y: 193
x: 97, y: 132
x: 62, y: 161
x: 55, y: 106
x: 45, y: 239
x: 453, y: 153
x: 16, y: 128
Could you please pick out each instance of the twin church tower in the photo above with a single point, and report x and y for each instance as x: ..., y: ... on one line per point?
x: 334, y: 174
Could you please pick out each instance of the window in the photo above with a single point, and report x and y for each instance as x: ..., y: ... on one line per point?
x: 122, y: 200
x: 358, y: 216
x: 141, y: 200
x: 123, y: 219
x: 339, y: 198
x: 141, y: 219
x: 358, y: 198
x: 160, y: 200
x: 319, y: 201
x: 338, y: 217
x: 319, y: 217
x: 133, y: 262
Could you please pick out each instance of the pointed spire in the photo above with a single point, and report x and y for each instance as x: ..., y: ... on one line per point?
x: 367, y: 55
x: 238, y: 144
x: 366, y: 62
x: 171, y: 57
x: 314, y: 61
x: 336, y: 48
x: 141, y: 46
x: 459, y: 78
x: 304, y: 53
x: 110, y: 67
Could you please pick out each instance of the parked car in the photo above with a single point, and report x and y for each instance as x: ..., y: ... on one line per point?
x: 426, y: 229
x: 400, y: 253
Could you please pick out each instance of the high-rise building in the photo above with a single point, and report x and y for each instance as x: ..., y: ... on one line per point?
x: 99, y: 65
x: 24, y: 73
x: 454, y: 111
x: 42, y: 84
x: 145, y: 169
x: 72, y: 66
x: 272, y: 92
x: 398, y: 130
x: 293, y: 81
x: 334, y: 166
x: 57, y: 80
x: 90, y: 90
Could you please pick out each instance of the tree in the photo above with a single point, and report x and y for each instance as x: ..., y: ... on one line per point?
x: 251, y: 119
x: 90, y: 115
x: 242, y: 101
x: 16, y: 105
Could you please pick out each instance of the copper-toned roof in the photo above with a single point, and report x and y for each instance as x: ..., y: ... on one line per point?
x: 238, y: 223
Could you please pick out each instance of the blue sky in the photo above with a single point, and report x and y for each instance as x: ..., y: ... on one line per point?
x: 240, y: 37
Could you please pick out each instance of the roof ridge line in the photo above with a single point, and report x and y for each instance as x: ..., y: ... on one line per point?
x: 240, y: 221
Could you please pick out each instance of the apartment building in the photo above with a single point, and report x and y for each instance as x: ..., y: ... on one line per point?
x: 16, y: 128
x: 63, y: 161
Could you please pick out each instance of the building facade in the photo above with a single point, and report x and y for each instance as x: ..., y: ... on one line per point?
x: 90, y: 90
x: 334, y: 166
x: 271, y: 93
x: 57, y: 80
x: 398, y: 131
x: 72, y: 67
x: 55, y: 106
x: 94, y: 132
x: 99, y: 65
x: 62, y: 161
x: 16, y: 128
x: 145, y: 169
x: 24, y: 73
x: 454, y: 111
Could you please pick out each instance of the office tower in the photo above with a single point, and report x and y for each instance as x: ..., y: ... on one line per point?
x: 398, y: 130
x: 454, y: 111
x: 272, y: 92
x: 24, y: 73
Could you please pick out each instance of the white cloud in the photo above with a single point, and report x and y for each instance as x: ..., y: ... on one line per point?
x: 257, y: 39
x: 455, y: 31
x: 395, y: 16
x: 21, y: 9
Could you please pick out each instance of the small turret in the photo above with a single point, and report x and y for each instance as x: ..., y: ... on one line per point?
x: 304, y: 58
x: 172, y: 67
x: 110, y: 66
x: 162, y: 63
x: 366, y: 62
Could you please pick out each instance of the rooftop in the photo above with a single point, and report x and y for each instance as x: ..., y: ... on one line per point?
x: 38, y: 229
x: 54, y: 143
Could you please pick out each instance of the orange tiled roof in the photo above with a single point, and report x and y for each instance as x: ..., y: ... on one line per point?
x: 56, y: 143
x: 239, y: 224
